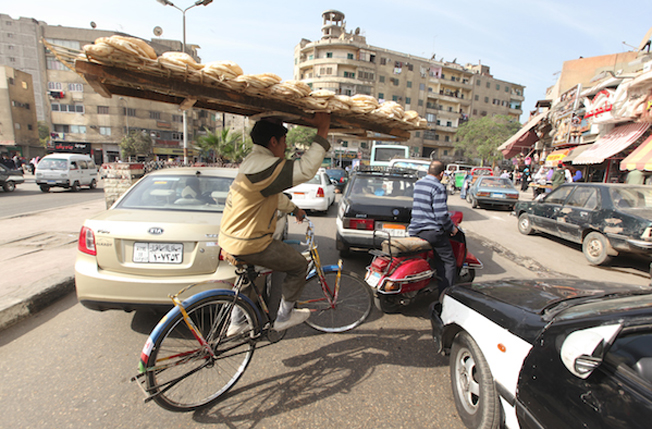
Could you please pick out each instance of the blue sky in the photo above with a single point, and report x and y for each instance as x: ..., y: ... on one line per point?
x: 523, y: 41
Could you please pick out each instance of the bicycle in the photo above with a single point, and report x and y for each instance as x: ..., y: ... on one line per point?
x: 188, y: 362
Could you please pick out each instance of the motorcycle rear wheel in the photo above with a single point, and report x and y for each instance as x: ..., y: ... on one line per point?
x: 387, y: 304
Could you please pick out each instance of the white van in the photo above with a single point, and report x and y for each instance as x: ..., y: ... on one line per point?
x: 66, y: 170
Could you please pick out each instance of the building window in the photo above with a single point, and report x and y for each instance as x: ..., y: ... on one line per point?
x: 75, y: 87
x: 475, y: 112
x: 54, y: 64
x: 24, y: 85
x: 105, y: 131
x: 177, y: 118
x: 477, y: 97
x: 449, y: 124
x: 17, y: 125
x: 446, y: 139
x: 408, y: 100
x: 381, y: 79
x: 128, y: 111
x: 154, y: 115
x: 345, y: 144
x: 409, y: 84
x: 29, y: 127
x: 102, y: 110
x: 486, y: 99
x: 11, y: 80
x: 60, y: 128
x: 429, y: 135
x: 363, y: 145
x: 311, y: 57
x: 177, y: 136
x: 329, y: 55
x: 383, y: 61
x: 394, y: 97
x: 507, y: 89
x: 422, y: 87
x: 55, y: 86
x: 437, y: 137
x: 349, y: 56
x: 483, y: 113
x: 430, y: 117
x: 78, y: 129
x: 477, y: 82
x: 420, y: 103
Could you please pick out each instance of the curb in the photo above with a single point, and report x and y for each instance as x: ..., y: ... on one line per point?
x: 20, y: 310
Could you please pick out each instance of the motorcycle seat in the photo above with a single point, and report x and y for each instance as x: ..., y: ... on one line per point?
x: 404, y: 246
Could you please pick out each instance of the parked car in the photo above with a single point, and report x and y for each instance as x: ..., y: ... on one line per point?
x: 482, y: 171
x: 10, y: 178
x: 66, y: 170
x: 339, y: 177
x: 158, y: 238
x: 317, y: 194
x: 551, y: 353
x: 606, y: 219
x: 492, y: 191
x: 378, y: 200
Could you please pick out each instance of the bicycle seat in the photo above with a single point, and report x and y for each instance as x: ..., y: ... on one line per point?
x: 233, y: 260
x: 404, y: 246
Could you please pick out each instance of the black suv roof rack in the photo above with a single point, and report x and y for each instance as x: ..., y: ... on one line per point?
x: 386, y: 170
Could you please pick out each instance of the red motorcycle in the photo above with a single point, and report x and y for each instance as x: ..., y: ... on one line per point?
x: 400, y: 271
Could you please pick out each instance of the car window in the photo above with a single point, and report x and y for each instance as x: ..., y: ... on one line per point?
x: 633, y: 350
x: 584, y: 197
x: 381, y: 187
x: 178, y: 192
x: 336, y: 174
x: 558, y: 196
x: 53, y: 164
x: 630, y: 197
x: 315, y: 180
x: 495, y: 182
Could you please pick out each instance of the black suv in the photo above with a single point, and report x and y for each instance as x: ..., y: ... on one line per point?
x: 375, y: 199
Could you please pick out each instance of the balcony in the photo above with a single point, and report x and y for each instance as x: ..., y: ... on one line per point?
x: 453, y: 82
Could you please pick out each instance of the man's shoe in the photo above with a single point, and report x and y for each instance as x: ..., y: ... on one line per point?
x: 235, y: 329
x: 297, y: 316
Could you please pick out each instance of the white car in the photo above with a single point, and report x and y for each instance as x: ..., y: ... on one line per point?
x: 159, y: 237
x: 317, y: 194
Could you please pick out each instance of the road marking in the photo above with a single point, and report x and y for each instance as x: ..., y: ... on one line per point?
x: 499, y: 218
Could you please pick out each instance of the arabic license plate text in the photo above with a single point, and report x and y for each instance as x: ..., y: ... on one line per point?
x: 394, y: 230
x: 373, y: 278
x: 158, y: 253
x: 497, y: 195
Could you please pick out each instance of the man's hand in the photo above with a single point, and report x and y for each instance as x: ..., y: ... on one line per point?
x: 299, y: 214
x: 454, y: 231
x: 321, y: 121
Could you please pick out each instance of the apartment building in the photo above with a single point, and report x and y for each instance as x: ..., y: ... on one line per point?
x: 18, y: 127
x: 80, y: 119
x: 445, y: 93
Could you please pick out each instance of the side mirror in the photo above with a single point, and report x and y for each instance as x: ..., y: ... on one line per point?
x: 583, y: 351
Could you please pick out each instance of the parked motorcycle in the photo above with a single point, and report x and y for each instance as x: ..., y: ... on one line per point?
x: 401, y: 271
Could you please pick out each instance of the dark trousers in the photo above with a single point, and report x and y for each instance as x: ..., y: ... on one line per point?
x: 444, y: 259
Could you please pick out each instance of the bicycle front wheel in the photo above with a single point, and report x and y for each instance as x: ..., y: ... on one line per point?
x: 181, y: 374
x: 348, y: 309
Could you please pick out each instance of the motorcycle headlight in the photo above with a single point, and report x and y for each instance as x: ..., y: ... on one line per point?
x: 392, y: 286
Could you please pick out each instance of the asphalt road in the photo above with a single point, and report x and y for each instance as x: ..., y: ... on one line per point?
x: 70, y: 367
x: 28, y: 198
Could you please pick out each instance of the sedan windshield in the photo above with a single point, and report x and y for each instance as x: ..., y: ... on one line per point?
x: 178, y: 192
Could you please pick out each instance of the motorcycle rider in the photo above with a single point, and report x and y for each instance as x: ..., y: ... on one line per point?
x: 249, y: 217
x: 431, y: 221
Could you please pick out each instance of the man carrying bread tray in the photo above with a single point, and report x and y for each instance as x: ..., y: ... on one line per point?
x: 249, y: 217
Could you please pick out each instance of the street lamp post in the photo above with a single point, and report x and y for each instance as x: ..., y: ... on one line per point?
x: 185, y: 111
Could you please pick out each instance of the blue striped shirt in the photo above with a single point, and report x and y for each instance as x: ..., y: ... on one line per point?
x: 429, y: 208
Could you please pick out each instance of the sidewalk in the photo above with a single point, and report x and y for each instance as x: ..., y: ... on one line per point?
x: 37, y: 255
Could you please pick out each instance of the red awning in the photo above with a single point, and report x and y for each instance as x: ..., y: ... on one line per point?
x: 613, y: 142
x: 524, y: 139
x: 640, y: 159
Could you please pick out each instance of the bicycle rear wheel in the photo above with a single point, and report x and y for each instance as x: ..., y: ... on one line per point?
x: 349, y: 309
x: 181, y: 374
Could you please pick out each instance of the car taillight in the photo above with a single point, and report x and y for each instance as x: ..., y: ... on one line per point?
x: 361, y: 224
x: 341, y: 179
x: 86, y: 243
x: 483, y: 194
x: 320, y: 192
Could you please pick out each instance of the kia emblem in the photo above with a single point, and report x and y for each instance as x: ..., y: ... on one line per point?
x: 155, y: 230
x: 395, y: 212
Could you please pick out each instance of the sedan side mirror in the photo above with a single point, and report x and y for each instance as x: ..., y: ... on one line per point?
x: 583, y: 351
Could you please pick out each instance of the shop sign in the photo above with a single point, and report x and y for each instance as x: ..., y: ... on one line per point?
x: 69, y: 147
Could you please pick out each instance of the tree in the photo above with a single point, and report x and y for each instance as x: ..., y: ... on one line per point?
x: 480, y: 138
x: 136, y: 143
x: 43, y: 133
x: 299, y: 139
x: 225, y: 146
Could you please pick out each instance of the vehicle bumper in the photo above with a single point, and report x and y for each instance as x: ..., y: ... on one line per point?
x: 320, y: 204
x: 99, y: 289
x: 497, y: 202
x: 53, y: 182
x: 359, y: 238
x: 437, y: 326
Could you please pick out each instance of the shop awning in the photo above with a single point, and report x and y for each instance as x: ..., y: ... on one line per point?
x: 523, y: 139
x: 576, y: 152
x: 615, y: 141
x: 640, y: 159
x: 557, y: 156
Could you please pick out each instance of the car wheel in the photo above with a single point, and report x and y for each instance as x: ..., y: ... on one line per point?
x: 44, y: 188
x: 93, y: 184
x: 466, y: 275
x: 387, y: 304
x: 9, y: 186
x: 75, y: 187
x: 469, y: 199
x: 597, y: 248
x: 524, y: 224
x: 473, y: 385
x: 474, y: 203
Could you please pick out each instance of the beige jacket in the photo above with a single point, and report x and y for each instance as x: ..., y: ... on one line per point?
x: 249, y: 218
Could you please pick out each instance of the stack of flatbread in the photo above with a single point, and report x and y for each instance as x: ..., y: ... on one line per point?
x: 339, y: 103
x: 290, y: 89
x: 318, y: 100
x: 389, y: 110
x: 361, y: 103
x: 179, y: 62
x: 221, y: 70
x: 259, y: 81
x: 412, y: 118
x: 120, y: 48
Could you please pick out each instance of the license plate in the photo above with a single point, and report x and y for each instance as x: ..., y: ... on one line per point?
x: 393, y: 229
x: 299, y: 194
x: 52, y: 181
x: 497, y: 195
x: 158, y: 253
x: 373, y: 278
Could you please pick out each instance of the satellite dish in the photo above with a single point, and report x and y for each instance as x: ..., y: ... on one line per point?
x: 158, y: 31
x: 93, y: 24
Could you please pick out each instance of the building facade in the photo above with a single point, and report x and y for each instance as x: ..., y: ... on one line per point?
x: 19, y: 127
x: 445, y: 93
x: 81, y: 120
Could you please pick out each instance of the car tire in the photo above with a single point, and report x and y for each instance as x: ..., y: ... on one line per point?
x: 345, y: 251
x: 387, y: 304
x: 9, y: 186
x: 473, y: 386
x: 524, y: 224
x: 75, y: 187
x: 44, y: 188
x: 474, y: 203
x: 469, y: 199
x: 93, y: 184
x: 597, y: 249
x: 466, y: 275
